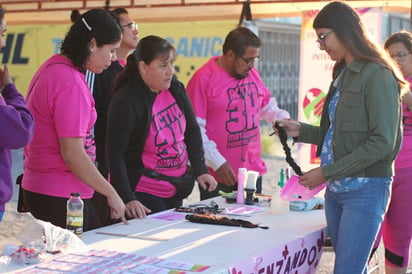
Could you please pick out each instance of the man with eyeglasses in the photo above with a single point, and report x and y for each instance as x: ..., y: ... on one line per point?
x: 229, y: 99
x: 101, y: 86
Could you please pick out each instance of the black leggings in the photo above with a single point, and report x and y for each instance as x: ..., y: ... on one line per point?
x: 53, y: 209
x: 157, y: 204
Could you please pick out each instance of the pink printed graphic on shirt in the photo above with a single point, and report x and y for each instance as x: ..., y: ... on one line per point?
x: 242, y: 123
x: 164, y: 150
x: 236, y: 133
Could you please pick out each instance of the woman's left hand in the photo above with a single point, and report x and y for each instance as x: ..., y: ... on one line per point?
x: 207, y: 182
x: 312, y: 178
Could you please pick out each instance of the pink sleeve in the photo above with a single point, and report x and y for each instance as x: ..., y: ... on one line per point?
x: 270, y: 110
x: 197, y: 90
x: 72, y: 112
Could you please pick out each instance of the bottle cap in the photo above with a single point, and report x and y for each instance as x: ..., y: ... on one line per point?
x: 75, y: 194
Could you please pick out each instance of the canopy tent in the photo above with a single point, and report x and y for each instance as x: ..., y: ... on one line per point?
x: 56, y: 11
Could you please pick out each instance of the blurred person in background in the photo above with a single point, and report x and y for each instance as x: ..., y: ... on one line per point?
x: 101, y: 85
x: 396, y: 230
x: 17, y: 125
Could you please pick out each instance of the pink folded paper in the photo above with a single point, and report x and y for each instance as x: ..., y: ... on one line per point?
x: 293, y: 191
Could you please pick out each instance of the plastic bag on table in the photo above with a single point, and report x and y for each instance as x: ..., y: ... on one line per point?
x: 294, y: 191
x: 52, y: 238
x: 40, y: 239
x: 306, y: 205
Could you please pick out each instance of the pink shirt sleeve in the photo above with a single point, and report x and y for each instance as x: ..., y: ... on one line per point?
x: 72, y: 113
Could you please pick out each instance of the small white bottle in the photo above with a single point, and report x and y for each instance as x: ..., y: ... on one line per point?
x: 241, y: 179
x: 277, y: 205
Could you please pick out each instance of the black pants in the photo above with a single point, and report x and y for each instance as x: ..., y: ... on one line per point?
x: 157, y: 204
x: 101, y: 210
x: 204, y: 194
x: 53, y: 209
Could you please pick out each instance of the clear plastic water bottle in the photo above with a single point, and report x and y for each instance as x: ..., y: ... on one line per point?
x: 74, y: 217
x: 277, y: 204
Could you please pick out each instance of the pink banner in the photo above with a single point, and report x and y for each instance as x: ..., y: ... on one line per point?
x: 298, y: 256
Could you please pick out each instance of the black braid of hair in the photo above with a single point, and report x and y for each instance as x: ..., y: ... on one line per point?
x: 283, y: 137
x: 219, y: 220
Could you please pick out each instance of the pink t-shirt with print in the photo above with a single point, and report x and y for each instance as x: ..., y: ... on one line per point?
x: 236, y: 130
x: 63, y: 107
x: 164, y: 150
x: 403, y: 160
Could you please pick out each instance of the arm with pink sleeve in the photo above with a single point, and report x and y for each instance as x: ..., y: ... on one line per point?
x: 270, y: 110
x: 197, y: 90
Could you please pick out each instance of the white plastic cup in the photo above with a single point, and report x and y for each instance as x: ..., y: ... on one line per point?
x: 251, y: 179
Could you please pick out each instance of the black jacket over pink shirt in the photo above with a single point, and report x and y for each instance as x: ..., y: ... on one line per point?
x: 129, y: 119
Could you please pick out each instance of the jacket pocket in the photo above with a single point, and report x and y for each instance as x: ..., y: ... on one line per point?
x: 352, y: 97
x: 354, y: 127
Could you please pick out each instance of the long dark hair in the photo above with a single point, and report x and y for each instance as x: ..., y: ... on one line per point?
x: 99, y: 24
x: 351, y: 32
x: 148, y: 49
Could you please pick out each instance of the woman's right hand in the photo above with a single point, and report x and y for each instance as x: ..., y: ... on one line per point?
x: 226, y: 175
x: 135, y: 209
x: 117, y: 208
x: 292, y: 127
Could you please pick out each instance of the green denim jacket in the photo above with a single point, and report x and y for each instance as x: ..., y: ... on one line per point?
x: 368, y: 129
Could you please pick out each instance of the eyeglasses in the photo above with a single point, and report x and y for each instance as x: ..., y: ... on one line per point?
x: 131, y: 25
x: 322, y: 37
x: 400, y: 56
x: 250, y: 61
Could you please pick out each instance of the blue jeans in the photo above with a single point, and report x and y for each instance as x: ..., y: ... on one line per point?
x: 353, y: 219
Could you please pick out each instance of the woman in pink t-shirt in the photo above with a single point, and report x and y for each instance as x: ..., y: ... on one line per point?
x: 60, y: 158
x: 152, y: 133
x: 396, y: 229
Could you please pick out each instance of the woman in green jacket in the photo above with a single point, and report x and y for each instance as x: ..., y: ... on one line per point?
x: 358, y: 137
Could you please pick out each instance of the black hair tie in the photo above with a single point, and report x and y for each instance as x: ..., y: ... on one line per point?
x: 283, y: 137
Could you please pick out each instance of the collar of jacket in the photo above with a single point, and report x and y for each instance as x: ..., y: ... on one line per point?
x: 356, y: 66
